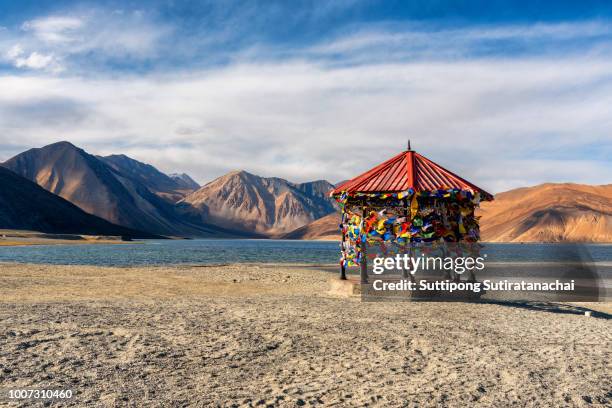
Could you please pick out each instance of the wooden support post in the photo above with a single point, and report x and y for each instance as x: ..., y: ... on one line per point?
x: 471, y: 275
x: 446, y: 275
x: 342, y: 268
x: 404, y: 271
x: 412, y: 265
x: 363, y: 245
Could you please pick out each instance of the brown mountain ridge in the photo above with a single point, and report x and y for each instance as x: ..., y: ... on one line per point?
x: 549, y: 213
x: 325, y: 228
x: 117, y: 189
x: 137, y: 196
x: 170, y: 188
x: 544, y: 213
x: 268, y: 206
x: 24, y: 205
x: 127, y: 192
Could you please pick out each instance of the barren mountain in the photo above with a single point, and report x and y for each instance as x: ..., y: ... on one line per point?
x: 184, y: 181
x: 103, y: 190
x: 270, y: 206
x: 170, y: 188
x: 544, y: 213
x: 26, y: 205
x: 549, y: 213
x: 325, y: 228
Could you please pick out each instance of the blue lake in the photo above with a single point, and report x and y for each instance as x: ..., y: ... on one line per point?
x: 211, y: 251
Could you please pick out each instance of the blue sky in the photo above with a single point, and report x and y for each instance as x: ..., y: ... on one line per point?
x: 506, y: 93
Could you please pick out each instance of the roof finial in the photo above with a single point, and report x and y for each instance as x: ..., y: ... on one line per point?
x: 409, y: 149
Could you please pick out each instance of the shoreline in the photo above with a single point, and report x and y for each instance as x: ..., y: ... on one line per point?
x: 39, y: 242
x: 4, y: 242
x: 28, y: 238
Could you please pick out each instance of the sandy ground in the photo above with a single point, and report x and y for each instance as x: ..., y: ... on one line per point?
x: 52, y: 241
x: 20, y: 238
x: 271, y: 336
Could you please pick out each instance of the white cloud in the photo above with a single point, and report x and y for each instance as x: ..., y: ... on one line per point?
x: 500, y: 123
x: 59, y: 42
x: 14, y: 52
x: 54, y: 29
x: 398, y: 42
x: 34, y: 61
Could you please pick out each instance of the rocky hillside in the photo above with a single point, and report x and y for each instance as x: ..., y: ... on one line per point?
x: 184, y: 181
x: 325, y: 228
x: 24, y: 205
x: 113, y: 189
x: 170, y: 188
x: 549, y: 213
x: 270, y: 206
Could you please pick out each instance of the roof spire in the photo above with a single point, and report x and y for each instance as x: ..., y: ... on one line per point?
x: 409, y: 149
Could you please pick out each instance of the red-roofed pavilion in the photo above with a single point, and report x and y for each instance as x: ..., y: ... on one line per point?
x: 408, y: 200
x: 407, y: 170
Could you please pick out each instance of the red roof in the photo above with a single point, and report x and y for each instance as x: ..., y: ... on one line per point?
x: 404, y: 171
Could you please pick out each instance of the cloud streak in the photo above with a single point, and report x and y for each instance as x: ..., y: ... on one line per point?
x: 83, y: 41
x: 54, y: 29
x: 418, y: 41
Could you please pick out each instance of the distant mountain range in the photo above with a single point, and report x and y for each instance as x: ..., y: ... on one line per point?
x: 116, y: 188
x: 170, y: 188
x: 544, y: 213
x: 268, y: 206
x: 137, y: 199
x: 27, y: 206
x: 325, y: 228
x: 136, y: 195
x: 184, y: 182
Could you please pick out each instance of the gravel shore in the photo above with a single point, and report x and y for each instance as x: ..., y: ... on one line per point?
x: 270, y: 335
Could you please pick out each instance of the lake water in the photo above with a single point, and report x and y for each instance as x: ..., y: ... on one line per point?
x: 211, y: 251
